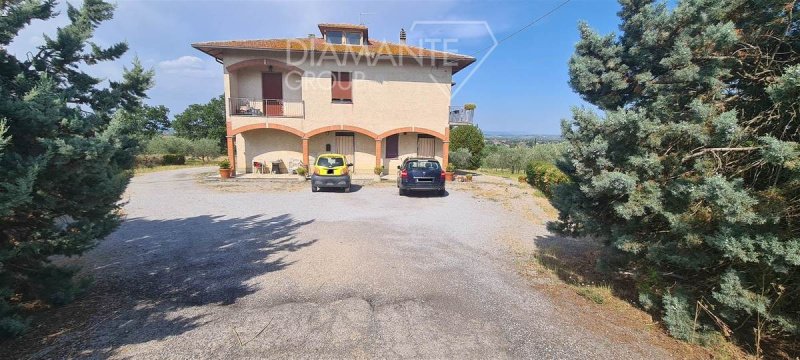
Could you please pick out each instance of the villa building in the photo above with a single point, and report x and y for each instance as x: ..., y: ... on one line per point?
x: 289, y: 100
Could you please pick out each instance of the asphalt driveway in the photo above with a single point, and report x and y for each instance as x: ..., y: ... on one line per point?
x: 195, y: 272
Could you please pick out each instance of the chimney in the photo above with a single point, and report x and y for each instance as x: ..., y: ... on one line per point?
x: 402, y: 36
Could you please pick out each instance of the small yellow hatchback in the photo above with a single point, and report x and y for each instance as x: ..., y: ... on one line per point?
x: 331, y: 171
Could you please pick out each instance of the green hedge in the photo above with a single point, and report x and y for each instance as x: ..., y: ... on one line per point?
x: 545, y: 176
x: 172, y: 159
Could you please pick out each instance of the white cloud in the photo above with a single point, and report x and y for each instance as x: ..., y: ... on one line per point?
x: 191, y: 66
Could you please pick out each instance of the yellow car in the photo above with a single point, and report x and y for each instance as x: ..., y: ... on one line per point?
x: 331, y: 171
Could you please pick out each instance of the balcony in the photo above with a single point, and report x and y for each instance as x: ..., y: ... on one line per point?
x: 462, y: 115
x: 267, y: 107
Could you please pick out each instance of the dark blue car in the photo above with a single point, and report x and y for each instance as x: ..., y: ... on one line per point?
x: 420, y: 174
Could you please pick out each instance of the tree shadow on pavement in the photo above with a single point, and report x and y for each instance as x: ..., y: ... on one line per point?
x: 148, y: 270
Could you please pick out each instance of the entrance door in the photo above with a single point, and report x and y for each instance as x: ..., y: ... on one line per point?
x: 272, y: 93
x: 346, y: 145
x: 426, y: 146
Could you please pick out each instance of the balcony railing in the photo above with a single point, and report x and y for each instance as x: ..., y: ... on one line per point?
x: 267, y: 107
x: 461, y: 116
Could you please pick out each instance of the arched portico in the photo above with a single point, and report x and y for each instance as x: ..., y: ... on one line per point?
x: 412, y: 141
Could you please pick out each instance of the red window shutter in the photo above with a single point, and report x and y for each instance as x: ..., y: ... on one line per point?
x: 392, y: 151
x: 341, y: 87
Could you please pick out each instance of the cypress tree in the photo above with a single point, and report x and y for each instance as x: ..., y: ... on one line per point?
x: 64, y: 160
x: 692, y: 172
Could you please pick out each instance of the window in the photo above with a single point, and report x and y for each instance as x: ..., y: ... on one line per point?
x: 392, y: 151
x: 330, y: 161
x: 423, y: 164
x: 341, y: 87
x: 426, y: 146
x: 353, y: 38
x: 334, y: 37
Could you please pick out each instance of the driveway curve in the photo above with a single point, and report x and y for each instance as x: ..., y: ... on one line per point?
x: 198, y: 272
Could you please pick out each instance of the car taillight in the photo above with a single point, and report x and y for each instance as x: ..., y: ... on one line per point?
x: 404, y: 174
x: 442, y: 175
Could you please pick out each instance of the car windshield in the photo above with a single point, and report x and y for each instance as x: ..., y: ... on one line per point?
x: 423, y: 165
x: 330, y: 161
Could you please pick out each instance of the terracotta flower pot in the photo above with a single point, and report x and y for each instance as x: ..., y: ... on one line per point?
x: 225, y: 173
x: 448, y: 175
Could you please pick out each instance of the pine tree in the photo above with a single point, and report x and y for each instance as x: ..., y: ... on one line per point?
x: 694, y: 172
x: 63, y: 161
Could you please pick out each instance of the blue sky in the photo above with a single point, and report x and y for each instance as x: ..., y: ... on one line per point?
x: 520, y: 86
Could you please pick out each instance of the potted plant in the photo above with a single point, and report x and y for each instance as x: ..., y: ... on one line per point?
x: 225, y: 169
x: 378, y: 170
x: 449, y: 171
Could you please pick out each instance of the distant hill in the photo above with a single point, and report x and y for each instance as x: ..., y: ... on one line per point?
x: 519, y: 135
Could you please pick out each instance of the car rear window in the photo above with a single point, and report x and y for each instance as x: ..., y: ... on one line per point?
x: 330, y: 161
x: 423, y: 164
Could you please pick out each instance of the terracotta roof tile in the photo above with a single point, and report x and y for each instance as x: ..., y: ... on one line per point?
x: 342, y: 26
x: 375, y: 47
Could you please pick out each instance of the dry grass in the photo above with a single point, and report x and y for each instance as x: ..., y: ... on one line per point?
x: 190, y: 163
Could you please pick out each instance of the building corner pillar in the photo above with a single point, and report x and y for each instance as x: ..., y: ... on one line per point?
x: 305, y: 153
x: 231, y: 153
x: 446, y: 148
x: 378, y: 153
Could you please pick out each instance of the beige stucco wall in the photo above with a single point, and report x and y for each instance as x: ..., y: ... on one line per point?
x: 266, y: 145
x: 364, y: 161
x: 385, y: 95
x: 407, y: 147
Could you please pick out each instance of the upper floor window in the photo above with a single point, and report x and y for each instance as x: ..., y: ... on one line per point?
x: 341, y: 87
x: 334, y: 37
x: 353, y: 38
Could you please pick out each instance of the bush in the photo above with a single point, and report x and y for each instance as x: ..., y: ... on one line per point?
x: 470, y: 138
x: 169, y: 145
x: 300, y: 171
x: 378, y: 170
x: 204, y: 149
x: 173, y: 159
x: 148, y: 160
x: 692, y: 169
x: 545, y: 176
x: 461, y: 158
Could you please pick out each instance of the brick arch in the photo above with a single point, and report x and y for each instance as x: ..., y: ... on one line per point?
x: 264, y: 64
x: 357, y: 129
x: 413, y: 129
x: 250, y: 127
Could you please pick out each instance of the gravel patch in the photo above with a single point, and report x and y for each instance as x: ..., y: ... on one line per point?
x: 233, y: 271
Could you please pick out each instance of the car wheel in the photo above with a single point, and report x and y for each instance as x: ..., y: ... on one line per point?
x: 441, y: 192
x: 347, y: 189
x: 401, y: 191
x: 314, y: 188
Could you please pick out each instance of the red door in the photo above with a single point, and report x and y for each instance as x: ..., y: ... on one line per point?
x: 272, y: 92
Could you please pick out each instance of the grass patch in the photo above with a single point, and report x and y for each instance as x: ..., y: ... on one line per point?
x: 597, y: 294
x: 501, y: 173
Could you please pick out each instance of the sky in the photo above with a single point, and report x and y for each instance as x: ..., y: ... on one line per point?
x: 519, y: 86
